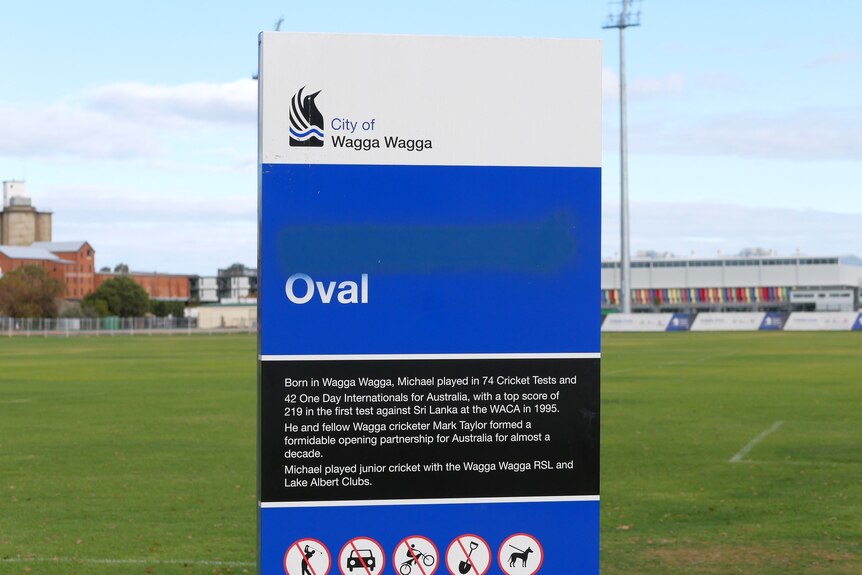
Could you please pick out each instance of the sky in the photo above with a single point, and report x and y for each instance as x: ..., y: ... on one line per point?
x: 135, y: 123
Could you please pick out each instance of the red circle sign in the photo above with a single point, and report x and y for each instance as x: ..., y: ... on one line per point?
x: 415, y: 555
x: 468, y: 555
x: 363, y: 555
x: 521, y: 554
x: 307, y: 557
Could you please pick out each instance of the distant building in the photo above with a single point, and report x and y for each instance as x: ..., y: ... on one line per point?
x: 20, y: 223
x: 16, y: 257
x: 164, y: 287
x: 237, y: 283
x: 80, y: 276
x: 204, y: 289
x: 739, y: 283
x: 243, y: 316
x: 25, y: 239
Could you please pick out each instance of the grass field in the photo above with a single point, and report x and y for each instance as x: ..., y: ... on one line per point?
x: 137, y: 455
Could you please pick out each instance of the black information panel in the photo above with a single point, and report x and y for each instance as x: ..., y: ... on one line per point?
x: 415, y: 428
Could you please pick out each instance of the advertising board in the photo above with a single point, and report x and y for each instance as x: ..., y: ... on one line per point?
x: 637, y: 322
x: 822, y: 321
x: 429, y: 304
x: 729, y: 321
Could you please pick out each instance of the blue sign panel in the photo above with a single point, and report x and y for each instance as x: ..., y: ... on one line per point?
x: 429, y: 302
x: 463, y: 259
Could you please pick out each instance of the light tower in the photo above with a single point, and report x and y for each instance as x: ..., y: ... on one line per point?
x: 623, y: 20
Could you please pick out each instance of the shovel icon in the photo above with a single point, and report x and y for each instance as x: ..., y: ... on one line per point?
x: 465, y: 566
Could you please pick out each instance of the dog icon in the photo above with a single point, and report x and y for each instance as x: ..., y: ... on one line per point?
x: 522, y: 554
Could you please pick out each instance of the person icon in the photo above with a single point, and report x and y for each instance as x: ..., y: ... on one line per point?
x: 414, y: 555
x: 309, y: 552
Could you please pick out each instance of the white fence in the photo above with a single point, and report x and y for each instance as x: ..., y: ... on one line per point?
x: 66, y: 327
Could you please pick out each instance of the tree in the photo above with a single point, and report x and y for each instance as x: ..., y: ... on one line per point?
x: 121, y: 268
x: 119, y: 296
x: 29, y: 292
x: 167, y: 308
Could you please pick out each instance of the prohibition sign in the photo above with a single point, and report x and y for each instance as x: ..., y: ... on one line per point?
x: 521, y: 554
x: 468, y: 555
x: 364, y: 554
x: 307, y: 557
x: 415, y: 555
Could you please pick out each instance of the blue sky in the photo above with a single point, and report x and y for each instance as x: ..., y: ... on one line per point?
x: 135, y: 122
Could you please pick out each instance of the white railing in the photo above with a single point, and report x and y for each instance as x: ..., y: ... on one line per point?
x: 107, y: 326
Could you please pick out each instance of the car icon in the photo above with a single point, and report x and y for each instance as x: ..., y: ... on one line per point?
x: 361, y: 559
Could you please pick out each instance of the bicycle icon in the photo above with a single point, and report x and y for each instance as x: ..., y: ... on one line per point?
x: 416, y: 555
x: 406, y: 567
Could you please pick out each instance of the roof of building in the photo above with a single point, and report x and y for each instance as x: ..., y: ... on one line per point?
x: 693, y: 261
x: 30, y: 253
x: 72, y: 246
x: 142, y: 274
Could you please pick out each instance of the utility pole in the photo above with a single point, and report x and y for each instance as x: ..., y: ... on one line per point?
x: 622, y: 21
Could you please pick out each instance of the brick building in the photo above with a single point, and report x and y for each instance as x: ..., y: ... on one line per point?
x: 164, y: 287
x: 15, y: 257
x: 80, y: 276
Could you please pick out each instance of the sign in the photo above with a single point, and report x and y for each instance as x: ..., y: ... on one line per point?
x: 429, y: 313
x: 821, y: 321
x: 307, y: 557
x: 416, y: 554
x: 468, y: 555
x: 730, y: 321
x: 521, y: 554
x: 363, y: 554
x: 638, y: 322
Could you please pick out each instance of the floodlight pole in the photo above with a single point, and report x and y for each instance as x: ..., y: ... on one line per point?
x: 623, y: 21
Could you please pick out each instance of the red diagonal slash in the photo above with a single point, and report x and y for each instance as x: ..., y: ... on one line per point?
x: 467, y: 556
x: 415, y: 557
x: 302, y: 553
x: 361, y: 558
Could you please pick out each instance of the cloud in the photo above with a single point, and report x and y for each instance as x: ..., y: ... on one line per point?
x: 809, y: 134
x: 834, y: 58
x: 64, y: 130
x: 123, y: 121
x: 184, y: 104
x: 710, y: 229
x: 138, y: 205
x: 642, y: 88
x: 166, y: 230
x: 192, y: 248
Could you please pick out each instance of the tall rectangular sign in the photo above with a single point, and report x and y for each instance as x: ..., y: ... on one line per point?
x: 429, y: 305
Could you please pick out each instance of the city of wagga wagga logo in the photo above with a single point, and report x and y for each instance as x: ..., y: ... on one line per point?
x: 360, y: 136
x: 306, y: 121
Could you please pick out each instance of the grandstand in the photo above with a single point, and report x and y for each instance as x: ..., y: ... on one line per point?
x: 736, y: 283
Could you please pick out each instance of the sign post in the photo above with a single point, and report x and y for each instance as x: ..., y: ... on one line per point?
x: 429, y: 305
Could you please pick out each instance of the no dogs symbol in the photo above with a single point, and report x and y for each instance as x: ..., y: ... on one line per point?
x: 520, y: 554
x: 307, y: 557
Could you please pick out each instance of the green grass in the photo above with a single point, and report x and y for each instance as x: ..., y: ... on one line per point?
x: 127, y: 448
x: 677, y: 407
x: 144, y: 449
